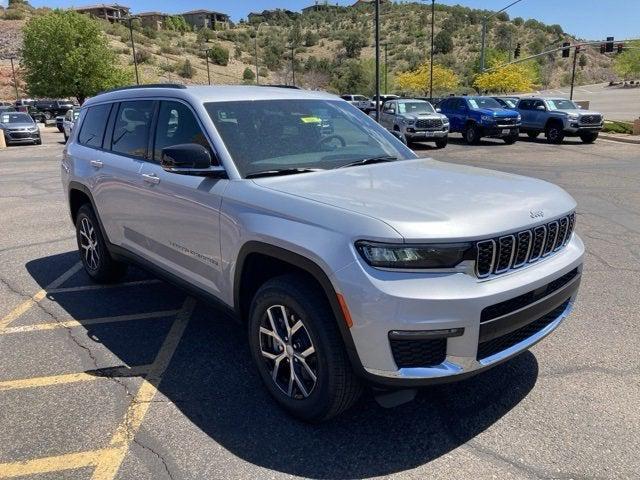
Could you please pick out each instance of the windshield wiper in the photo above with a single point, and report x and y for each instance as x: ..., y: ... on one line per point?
x: 369, y: 161
x: 282, y: 171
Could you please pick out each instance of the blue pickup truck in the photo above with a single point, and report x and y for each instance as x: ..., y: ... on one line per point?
x: 477, y: 117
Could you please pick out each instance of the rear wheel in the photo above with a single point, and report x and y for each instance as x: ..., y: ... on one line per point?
x: 442, y: 142
x: 472, y: 134
x: 533, y: 134
x: 511, y: 139
x: 95, y: 257
x: 554, y: 133
x: 298, y: 350
x: 589, y: 137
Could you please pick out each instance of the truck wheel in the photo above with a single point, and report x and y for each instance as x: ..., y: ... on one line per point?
x: 533, y: 134
x: 554, y: 133
x: 442, y: 142
x: 472, y: 134
x: 511, y: 139
x: 589, y: 137
x: 298, y: 350
x: 95, y: 257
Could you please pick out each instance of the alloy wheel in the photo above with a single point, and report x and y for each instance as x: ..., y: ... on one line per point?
x: 89, y: 244
x: 288, y: 352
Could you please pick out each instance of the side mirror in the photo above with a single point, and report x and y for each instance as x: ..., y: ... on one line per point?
x: 438, y: 109
x: 188, y: 159
x: 542, y: 108
x: 390, y: 111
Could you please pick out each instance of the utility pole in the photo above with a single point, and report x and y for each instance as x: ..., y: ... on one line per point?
x: 206, y: 58
x: 293, y: 63
x: 256, y: 51
x: 386, y: 68
x: 133, y: 49
x: 433, y: 12
x: 15, y: 80
x: 576, y: 50
x: 378, y: 103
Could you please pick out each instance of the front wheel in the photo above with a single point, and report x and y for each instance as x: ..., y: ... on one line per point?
x: 472, y: 134
x: 95, y: 257
x: 442, y: 142
x: 533, y: 134
x: 554, y: 134
x: 511, y: 139
x: 589, y: 137
x: 298, y: 349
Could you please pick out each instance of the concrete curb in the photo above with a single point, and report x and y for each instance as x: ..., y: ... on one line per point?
x: 614, y: 138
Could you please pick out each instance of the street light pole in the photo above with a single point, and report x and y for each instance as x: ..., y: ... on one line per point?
x: 256, y: 51
x: 386, y: 68
x: 433, y: 12
x: 133, y: 49
x: 378, y: 60
x: 206, y: 58
x: 576, y: 50
x: 15, y: 81
x: 293, y: 63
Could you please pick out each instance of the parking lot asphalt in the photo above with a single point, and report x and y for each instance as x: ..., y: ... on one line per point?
x: 139, y: 381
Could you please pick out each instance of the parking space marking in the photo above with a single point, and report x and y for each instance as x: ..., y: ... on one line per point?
x: 37, y: 297
x: 110, y: 461
x: 69, y: 461
x: 87, y: 322
x: 82, y: 288
x: 74, y: 377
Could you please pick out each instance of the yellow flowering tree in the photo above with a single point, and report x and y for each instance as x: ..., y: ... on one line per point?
x: 417, y: 81
x: 512, y: 78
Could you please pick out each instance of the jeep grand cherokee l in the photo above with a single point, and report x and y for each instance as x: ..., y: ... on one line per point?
x: 349, y: 260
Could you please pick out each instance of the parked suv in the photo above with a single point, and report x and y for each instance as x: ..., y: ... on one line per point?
x: 53, y: 108
x: 348, y: 259
x: 477, y: 117
x: 415, y: 121
x: 558, y: 118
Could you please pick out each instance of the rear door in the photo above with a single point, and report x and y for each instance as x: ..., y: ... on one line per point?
x: 179, y: 228
x: 524, y: 108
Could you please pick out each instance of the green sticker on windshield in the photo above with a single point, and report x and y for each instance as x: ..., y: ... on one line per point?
x: 311, y: 119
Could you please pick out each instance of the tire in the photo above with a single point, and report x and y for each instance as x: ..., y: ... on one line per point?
x: 66, y: 137
x: 554, y: 133
x: 472, y: 134
x: 335, y: 387
x: 442, y: 142
x: 96, y: 259
x: 589, y: 137
x: 533, y: 134
x: 38, y: 142
x: 511, y: 139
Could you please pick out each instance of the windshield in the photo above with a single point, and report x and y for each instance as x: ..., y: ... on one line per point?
x: 510, y: 102
x: 561, y: 105
x: 307, y: 134
x: 415, y: 107
x: 483, y: 102
x: 16, y: 117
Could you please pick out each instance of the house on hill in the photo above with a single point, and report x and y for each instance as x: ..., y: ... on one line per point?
x: 368, y: 2
x: 153, y: 20
x: 113, y: 12
x: 207, y: 19
x: 318, y: 7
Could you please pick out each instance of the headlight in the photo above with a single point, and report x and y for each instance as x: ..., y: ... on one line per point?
x: 573, y: 116
x: 384, y: 255
x: 486, y: 118
x: 519, y: 117
x: 445, y: 121
x: 406, y: 121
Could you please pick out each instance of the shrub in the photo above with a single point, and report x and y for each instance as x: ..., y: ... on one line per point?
x: 264, y: 72
x: 219, y: 55
x: 143, y: 56
x: 205, y: 34
x: 168, y: 49
x: 167, y: 67
x: 248, y: 75
x: 149, y: 32
x: 13, y: 14
x: 311, y: 38
x: 186, y: 70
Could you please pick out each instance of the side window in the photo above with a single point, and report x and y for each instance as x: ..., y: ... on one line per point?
x: 131, y: 128
x: 93, y: 126
x: 523, y: 105
x: 176, y: 125
x: 538, y: 103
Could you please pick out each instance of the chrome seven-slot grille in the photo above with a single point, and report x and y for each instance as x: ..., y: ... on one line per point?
x: 429, y: 123
x: 591, y: 119
x: 508, y: 252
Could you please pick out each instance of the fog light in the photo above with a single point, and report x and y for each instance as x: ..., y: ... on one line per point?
x: 425, y: 334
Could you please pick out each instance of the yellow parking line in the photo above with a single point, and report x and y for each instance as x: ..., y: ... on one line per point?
x: 110, y: 461
x: 90, y: 321
x: 37, y: 297
x: 74, y: 377
x: 52, y: 464
x: 82, y: 288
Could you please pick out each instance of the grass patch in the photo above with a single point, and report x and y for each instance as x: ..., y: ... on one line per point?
x: 612, y: 126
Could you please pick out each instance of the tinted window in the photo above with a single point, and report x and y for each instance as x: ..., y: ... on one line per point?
x: 524, y: 105
x: 131, y: 128
x: 176, y: 125
x: 93, y: 126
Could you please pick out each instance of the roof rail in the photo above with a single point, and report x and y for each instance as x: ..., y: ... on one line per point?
x: 280, y: 86
x: 149, y: 85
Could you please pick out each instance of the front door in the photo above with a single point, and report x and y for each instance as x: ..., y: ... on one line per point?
x: 180, y: 228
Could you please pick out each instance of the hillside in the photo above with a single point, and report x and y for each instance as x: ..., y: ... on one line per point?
x: 333, y: 47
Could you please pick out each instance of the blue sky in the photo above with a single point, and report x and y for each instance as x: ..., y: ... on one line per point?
x: 591, y: 19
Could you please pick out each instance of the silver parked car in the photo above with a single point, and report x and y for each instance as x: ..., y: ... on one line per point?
x: 19, y: 128
x: 415, y: 121
x: 69, y: 121
x: 358, y: 101
x: 349, y: 260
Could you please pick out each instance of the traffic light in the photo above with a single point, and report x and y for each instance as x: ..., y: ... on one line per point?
x: 565, y: 49
x: 516, y: 54
x: 620, y: 47
x: 609, y: 45
x: 603, y: 48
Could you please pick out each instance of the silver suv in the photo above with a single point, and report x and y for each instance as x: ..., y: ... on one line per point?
x: 350, y: 260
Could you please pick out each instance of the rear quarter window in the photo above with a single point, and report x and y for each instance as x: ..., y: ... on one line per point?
x: 95, y: 121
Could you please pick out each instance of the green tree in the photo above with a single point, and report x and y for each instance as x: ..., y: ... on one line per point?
x: 582, y: 60
x: 353, y: 43
x: 65, y: 54
x: 295, y: 35
x: 186, y: 70
x: 627, y: 63
x: 442, y: 43
x: 350, y: 76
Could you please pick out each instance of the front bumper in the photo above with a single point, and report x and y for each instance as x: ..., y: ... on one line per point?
x: 21, y: 138
x: 425, y: 134
x: 501, y: 130
x: 575, y: 128
x: 381, y: 302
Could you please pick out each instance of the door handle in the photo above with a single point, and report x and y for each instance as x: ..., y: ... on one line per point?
x: 151, y: 178
x: 96, y: 164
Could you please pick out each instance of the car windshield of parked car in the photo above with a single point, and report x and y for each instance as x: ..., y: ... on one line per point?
x: 15, y: 118
x: 511, y: 103
x: 561, y: 105
x: 300, y: 134
x: 483, y: 102
x: 415, y: 107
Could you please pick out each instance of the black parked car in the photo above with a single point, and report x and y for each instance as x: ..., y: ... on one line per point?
x: 53, y: 108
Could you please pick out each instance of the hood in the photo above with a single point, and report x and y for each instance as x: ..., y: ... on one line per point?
x: 426, y: 200
x: 17, y: 126
x: 417, y: 116
x: 577, y: 111
x: 497, y: 112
